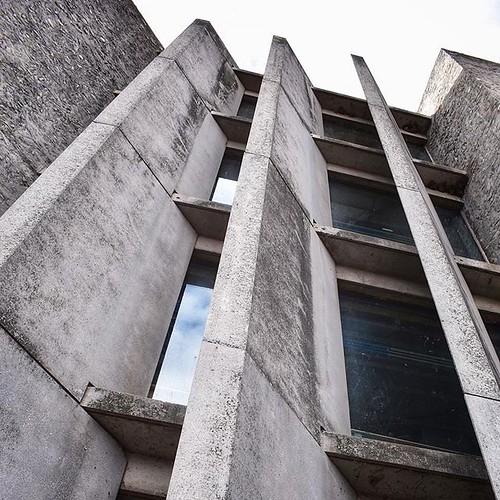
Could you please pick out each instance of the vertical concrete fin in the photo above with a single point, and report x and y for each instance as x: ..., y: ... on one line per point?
x: 473, y: 354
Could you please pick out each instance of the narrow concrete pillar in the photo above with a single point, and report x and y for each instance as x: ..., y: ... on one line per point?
x: 267, y: 378
x: 473, y: 354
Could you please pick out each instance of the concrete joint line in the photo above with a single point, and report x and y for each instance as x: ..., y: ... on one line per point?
x: 43, y: 367
x: 224, y: 344
x: 401, y: 165
x: 482, y: 397
x: 145, y: 163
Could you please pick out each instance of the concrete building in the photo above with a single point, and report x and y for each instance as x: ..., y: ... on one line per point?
x: 347, y: 350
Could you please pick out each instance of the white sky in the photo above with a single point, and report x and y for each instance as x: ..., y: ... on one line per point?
x: 399, y: 40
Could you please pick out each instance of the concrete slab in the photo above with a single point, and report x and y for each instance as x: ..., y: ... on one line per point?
x: 141, y: 425
x: 208, y: 218
x: 372, y: 161
x: 250, y: 80
x: 51, y: 448
x: 235, y: 128
x: 352, y: 106
x: 397, y: 471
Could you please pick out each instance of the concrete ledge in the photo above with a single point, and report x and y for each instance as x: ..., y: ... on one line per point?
x: 250, y: 80
x: 397, y: 260
x: 400, y: 471
x: 141, y: 425
x: 352, y: 106
x: 235, y: 128
x: 373, y: 161
x: 208, y: 218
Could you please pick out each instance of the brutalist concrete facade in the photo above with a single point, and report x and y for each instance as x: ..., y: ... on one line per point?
x: 93, y: 256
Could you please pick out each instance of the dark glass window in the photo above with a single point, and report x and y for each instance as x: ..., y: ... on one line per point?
x: 364, y: 134
x: 174, y: 374
x: 379, y: 213
x: 227, y: 178
x: 247, y: 106
x: 401, y: 380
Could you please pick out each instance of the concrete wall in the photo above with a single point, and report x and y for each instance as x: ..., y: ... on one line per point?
x: 463, y: 95
x: 61, y: 62
x: 266, y: 381
x: 94, y: 253
x: 51, y: 448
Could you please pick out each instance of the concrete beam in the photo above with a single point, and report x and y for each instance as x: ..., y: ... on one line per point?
x: 473, y: 354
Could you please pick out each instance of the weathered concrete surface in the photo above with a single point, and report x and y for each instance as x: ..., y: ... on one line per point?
x: 387, y: 470
x: 262, y: 383
x: 146, y: 476
x: 61, y: 62
x: 203, y: 58
x: 140, y: 425
x: 274, y: 456
x: 51, y: 448
x: 470, y: 346
x: 198, y: 176
x: 90, y: 273
x: 164, y: 112
x: 463, y: 94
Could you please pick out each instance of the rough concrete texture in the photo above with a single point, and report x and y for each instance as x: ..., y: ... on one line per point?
x: 284, y: 68
x: 160, y: 114
x: 164, y: 112
x: 465, y: 133
x: 203, y: 461
x: 61, y: 63
x: 485, y: 416
x: 140, y: 425
x: 274, y: 456
x: 279, y: 133
x: 202, y: 167
x: 51, y: 448
x: 203, y: 58
x: 146, y: 475
x: 89, y: 271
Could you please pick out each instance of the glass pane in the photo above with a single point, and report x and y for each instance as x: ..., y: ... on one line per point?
x: 369, y: 211
x: 357, y: 133
x: 364, y: 134
x: 400, y: 376
x: 176, y: 368
x: 458, y: 232
x: 418, y: 151
x: 247, y: 107
x: 380, y: 213
x: 227, y: 178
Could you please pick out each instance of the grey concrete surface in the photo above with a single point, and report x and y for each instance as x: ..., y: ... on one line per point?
x: 203, y: 462
x: 475, y: 359
x: 485, y: 415
x: 203, y: 58
x: 89, y: 270
x: 463, y: 93
x: 62, y: 62
x: 160, y: 114
x: 274, y: 456
x: 51, y: 448
x: 379, y: 469
x: 200, y: 172
x: 146, y: 476
x: 139, y: 424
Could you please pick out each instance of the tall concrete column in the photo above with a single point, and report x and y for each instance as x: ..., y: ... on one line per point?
x: 270, y: 373
x: 475, y: 360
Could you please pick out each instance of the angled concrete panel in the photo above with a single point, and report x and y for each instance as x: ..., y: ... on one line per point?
x: 274, y: 457
x: 90, y: 272
x: 160, y: 114
x: 207, y: 64
x: 51, y: 448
